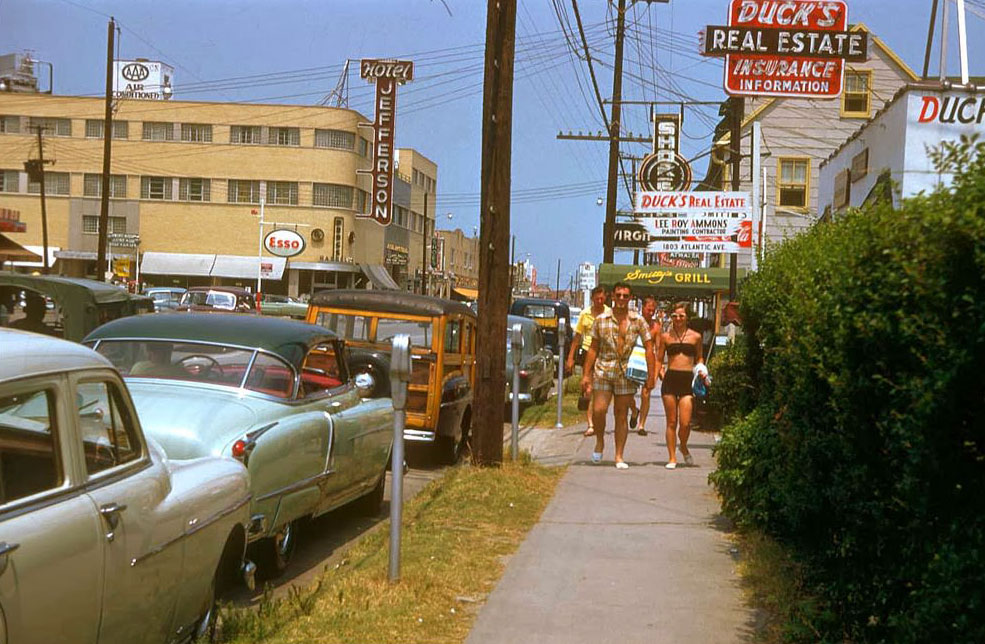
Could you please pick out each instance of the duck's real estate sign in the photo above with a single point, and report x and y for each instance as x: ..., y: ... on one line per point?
x: 791, y: 48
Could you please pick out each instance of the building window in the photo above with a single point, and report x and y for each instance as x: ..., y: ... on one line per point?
x: 362, y: 201
x: 282, y: 193
x: 242, y: 191
x: 55, y: 183
x: 337, y: 239
x: 856, y: 99
x: 194, y: 189
x: 155, y: 188
x: 284, y: 136
x: 158, y: 132
x: 364, y: 147
x: 794, y: 181
x: 54, y: 127
x: 248, y: 134
x: 9, y: 181
x: 196, y: 132
x: 331, y: 195
x: 10, y: 124
x: 337, y: 139
x: 90, y: 224
x: 94, y: 129
x: 92, y: 186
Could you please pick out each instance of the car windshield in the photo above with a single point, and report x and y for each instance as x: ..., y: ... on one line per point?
x: 199, y: 362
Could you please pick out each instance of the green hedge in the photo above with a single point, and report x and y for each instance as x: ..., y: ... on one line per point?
x: 865, y: 450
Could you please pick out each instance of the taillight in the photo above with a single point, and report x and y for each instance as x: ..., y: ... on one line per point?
x: 239, y: 449
x: 524, y: 373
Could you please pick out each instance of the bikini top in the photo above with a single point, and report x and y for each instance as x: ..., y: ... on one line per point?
x: 675, y: 348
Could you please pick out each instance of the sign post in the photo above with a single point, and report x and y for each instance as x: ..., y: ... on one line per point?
x: 561, y: 333
x: 399, y: 377
x: 516, y: 344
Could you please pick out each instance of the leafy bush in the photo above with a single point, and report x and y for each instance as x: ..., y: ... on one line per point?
x: 731, y: 390
x: 865, y: 451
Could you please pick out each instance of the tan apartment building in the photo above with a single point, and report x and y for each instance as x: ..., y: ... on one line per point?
x: 460, y: 264
x: 188, y: 179
x: 799, y: 134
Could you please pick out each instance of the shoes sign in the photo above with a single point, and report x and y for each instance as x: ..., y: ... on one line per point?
x: 786, y: 48
x: 387, y: 74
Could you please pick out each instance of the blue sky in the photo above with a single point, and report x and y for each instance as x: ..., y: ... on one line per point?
x: 292, y: 51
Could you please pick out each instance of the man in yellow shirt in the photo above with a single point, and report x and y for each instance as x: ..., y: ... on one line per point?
x: 582, y: 340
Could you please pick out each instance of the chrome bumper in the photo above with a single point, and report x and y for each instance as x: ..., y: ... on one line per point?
x: 524, y: 397
x: 419, y: 435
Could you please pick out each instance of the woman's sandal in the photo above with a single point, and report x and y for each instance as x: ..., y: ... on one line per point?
x: 596, y: 457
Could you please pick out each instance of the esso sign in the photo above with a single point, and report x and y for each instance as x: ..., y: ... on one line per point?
x: 284, y: 243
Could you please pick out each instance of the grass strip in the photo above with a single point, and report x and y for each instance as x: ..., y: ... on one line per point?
x: 457, y: 534
x: 545, y: 414
x: 772, y: 582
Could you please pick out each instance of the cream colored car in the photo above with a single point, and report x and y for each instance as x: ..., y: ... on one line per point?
x: 102, y: 537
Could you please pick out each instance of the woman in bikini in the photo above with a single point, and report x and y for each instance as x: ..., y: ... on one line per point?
x: 683, y: 348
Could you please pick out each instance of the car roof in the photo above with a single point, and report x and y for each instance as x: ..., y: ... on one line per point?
x: 58, y: 286
x: 286, y: 338
x: 162, y: 289
x: 524, y: 301
x: 30, y: 354
x: 389, y: 302
x: 235, y: 290
x: 513, y: 319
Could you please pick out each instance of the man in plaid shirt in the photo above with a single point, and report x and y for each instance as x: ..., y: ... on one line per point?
x: 613, y: 336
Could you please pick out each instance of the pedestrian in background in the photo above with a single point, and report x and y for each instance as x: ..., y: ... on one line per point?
x: 682, y: 346
x: 614, y: 335
x: 582, y: 340
x: 639, y: 414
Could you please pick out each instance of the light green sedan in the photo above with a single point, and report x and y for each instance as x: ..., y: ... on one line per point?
x: 103, y: 538
x: 272, y: 393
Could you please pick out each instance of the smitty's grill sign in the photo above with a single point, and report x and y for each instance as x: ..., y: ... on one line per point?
x: 786, y: 47
x: 387, y: 74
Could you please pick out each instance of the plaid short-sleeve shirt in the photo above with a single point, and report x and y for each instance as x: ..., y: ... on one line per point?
x: 613, y: 353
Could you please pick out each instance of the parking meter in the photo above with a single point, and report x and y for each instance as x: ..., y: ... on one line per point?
x: 516, y: 342
x: 561, y: 335
x: 399, y: 377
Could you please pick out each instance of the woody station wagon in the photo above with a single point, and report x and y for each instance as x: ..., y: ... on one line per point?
x: 442, y: 336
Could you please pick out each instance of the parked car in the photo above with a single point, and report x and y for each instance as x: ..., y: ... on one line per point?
x: 217, y: 298
x: 283, y: 305
x: 546, y: 314
x: 275, y: 394
x: 166, y: 298
x: 536, y: 362
x: 78, y: 305
x: 103, y: 537
x: 442, y: 336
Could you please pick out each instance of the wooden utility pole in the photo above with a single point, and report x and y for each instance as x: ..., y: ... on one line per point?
x: 494, y: 235
x: 107, y: 140
x: 35, y: 172
x: 735, y: 156
x: 608, y: 230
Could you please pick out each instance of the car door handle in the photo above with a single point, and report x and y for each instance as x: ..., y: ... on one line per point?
x: 5, y: 549
x: 111, y: 513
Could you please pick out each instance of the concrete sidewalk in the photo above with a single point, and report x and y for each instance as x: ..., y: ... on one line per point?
x: 637, y: 555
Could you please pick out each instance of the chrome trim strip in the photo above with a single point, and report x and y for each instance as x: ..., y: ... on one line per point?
x: 195, y: 525
x: 249, y: 368
x: 419, y: 435
x: 311, y: 480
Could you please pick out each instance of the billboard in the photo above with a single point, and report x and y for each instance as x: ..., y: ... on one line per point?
x: 788, y: 48
x: 143, y: 80
x: 686, y: 234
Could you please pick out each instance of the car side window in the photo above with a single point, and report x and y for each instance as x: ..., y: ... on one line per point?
x: 323, y: 370
x: 109, y: 436
x: 271, y: 376
x: 453, y: 336
x: 30, y: 462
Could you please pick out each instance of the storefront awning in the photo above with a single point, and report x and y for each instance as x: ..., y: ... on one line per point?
x: 328, y: 267
x: 245, y: 267
x: 11, y: 250
x: 36, y: 262
x: 379, y: 276
x: 669, y: 280
x: 186, y: 264
x: 468, y: 294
